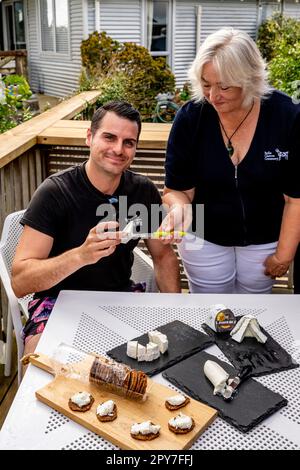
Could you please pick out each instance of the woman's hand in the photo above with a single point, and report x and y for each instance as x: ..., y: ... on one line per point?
x: 175, y: 224
x: 274, y: 267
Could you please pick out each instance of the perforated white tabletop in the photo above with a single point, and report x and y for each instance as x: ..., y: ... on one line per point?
x: 99, y: 321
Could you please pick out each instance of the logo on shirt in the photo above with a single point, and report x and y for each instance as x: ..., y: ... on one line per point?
x: 277, y: 155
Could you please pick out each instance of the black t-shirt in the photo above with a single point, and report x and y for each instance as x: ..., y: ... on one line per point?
x: 247, y: 209
x: 65, y: 207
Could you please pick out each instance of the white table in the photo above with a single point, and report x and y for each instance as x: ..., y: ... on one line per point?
x: 98, y: 321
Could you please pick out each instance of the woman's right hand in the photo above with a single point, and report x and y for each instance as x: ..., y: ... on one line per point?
x: 175, y: 224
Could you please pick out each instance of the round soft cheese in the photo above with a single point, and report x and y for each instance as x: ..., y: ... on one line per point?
x: 181, y: 421
x: 81, y: 399
x: 106, y: 408
x: 145, y: 428
x: 176, y: 400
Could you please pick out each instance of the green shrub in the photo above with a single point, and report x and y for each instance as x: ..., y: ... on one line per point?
x: 97, y: 53
x: 13, y: 109
x: 284, y: 69
x: 279, y: 43
x: 124, y: 71
x: 277, y: 32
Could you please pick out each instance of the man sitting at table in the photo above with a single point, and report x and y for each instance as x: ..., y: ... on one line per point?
x: 64, y: 244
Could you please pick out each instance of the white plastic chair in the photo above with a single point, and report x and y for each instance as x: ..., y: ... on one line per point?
x: 142, y: 270
x: 11, y: 232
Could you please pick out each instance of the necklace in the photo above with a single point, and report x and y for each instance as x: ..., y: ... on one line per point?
x: 229, y: 147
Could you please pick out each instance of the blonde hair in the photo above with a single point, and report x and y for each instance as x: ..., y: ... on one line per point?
x: 237, y: 60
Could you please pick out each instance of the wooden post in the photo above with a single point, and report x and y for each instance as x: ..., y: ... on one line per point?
x: 21, y: 66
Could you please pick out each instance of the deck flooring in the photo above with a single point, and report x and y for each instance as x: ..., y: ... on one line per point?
x: 8, y: 387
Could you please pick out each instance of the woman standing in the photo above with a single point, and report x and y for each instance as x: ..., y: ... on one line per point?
x: 235, y: 148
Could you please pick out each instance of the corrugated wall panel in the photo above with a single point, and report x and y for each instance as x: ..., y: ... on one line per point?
x: 55, y: 75
x: 215, y: 15
x: 184, y: 43
x: 292, y: 10
x: 122, y: 20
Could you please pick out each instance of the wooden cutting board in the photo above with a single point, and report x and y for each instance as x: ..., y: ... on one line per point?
x: 57, y: 393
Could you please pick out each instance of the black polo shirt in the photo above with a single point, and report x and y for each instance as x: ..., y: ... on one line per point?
x: 65, y: 207
x: 246, y: 209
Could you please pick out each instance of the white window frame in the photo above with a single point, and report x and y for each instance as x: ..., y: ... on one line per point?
x: 54, y: 54
x: 168, y: 53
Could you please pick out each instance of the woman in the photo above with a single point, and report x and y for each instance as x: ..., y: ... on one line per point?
x: 236, y: 149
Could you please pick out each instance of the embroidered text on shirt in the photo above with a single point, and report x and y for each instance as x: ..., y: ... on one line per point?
x: 268, y: 155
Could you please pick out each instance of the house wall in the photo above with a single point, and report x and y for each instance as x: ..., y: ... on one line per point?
x: 126, y: 21
x: 122, y: 20
x: 213, y: 15
x: 54, y: 74
x: 291, y: 8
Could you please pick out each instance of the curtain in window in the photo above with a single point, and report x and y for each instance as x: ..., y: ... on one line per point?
x: 47, y: 25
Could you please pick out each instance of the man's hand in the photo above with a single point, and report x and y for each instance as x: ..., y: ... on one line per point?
x: 101, y: 241
x: 275, y: 268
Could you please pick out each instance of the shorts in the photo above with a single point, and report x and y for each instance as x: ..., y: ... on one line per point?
x: 39, y: 311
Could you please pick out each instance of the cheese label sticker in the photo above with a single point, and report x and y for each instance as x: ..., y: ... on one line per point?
x: 224, y: 321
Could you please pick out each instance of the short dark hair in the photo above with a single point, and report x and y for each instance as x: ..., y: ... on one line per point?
x: 122, y: 109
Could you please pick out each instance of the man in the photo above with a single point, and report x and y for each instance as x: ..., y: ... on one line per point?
x: 65, y: 245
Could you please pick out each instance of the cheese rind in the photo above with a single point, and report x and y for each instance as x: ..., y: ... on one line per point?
x: 132, y: 347
x: 217, y: 376
x: 248, y: 326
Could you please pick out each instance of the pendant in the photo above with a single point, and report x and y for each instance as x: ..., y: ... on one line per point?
x: 230, y: 149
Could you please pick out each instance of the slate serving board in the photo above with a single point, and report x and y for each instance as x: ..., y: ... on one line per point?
x: 251, y: 405
x: 183, y: 342
x: 251, y: 358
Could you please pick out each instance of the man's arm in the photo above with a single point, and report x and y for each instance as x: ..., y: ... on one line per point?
x: 33, y: 271
x: 166, y: 266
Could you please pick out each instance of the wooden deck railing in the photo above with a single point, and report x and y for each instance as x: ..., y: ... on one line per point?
x: 53, y: 141
x: 19, y: 59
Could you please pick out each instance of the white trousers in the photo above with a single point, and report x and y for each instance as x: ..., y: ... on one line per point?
x: 213, y: 268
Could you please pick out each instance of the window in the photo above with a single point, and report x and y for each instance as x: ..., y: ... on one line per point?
x: 54, y: 16
x: 158, y: 27
x: 14, y: 25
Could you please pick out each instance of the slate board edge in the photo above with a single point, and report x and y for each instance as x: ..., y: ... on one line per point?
x: 274, y: 371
